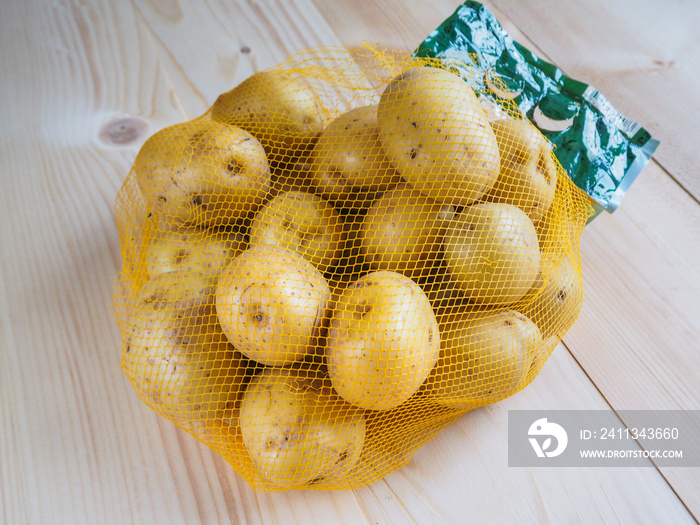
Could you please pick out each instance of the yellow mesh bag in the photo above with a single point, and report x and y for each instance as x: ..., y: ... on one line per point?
x: 347, y: 252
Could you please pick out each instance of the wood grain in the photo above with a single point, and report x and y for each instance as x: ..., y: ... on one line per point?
x: 393, y: 23
x: 241, y: 37
x: 64, y: 398
x: 85, y: 82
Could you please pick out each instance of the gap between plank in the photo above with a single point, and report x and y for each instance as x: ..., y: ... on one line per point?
x: 622, y: 421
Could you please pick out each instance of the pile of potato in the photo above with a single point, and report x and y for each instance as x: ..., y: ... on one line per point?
x: 306, y: 273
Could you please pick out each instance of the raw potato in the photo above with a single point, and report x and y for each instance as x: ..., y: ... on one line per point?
x: 437, y: 135
x: 203, y: 172
x: 271, y: 303
x: 528, y: 177
x: 276, y: 107
x: 349, y: 167
x: 297, y: 430
x: 175, y: 353
x: 403, y: 232
x: 492, y: 252
x: 382, y: 342
x: 484, y: 355
x: 191, y: 250
x: 303, y: 223
x: 558, y: 303
x: 191, y: 294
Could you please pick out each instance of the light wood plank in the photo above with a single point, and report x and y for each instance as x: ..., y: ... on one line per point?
x: 208, y: 62
x: 78, y: 446
x: 392, y: 23
x: 636, y: 337
x: 665, y: 209
x: 64, y: 390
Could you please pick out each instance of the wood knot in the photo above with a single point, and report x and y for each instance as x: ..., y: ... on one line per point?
x: 123, y: 131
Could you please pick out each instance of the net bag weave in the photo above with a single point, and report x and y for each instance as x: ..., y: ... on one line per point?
x: 346, y: 253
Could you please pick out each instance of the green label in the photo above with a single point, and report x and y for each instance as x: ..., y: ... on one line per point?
x: 600, y: 149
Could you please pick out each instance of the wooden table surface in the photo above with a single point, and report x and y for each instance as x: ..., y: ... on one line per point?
x: 84, y: 82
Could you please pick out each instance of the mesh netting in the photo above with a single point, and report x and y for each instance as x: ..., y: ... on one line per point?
x: 347, y: 252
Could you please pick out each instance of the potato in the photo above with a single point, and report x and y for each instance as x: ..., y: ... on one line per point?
x: 303, y: 223
x: 484, y: 354
x: 557, y: 304
x: 297, y: 430
x: 403, y: 232
x: 492, y: 252
x: 202, y: 172
x: 528, y: 176
x: 190, y: 294
x: 275, y: 106
x: 348, y: 166
x: 191, y: 250
x: 271, y: 303
x: 175, y: 353
x: 436, y: 134
x: 382, y: 342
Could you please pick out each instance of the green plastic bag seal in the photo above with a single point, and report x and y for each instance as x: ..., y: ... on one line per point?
x: 602, y: 151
